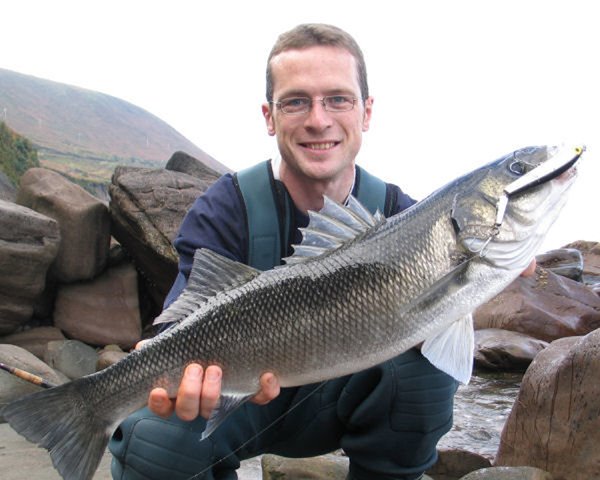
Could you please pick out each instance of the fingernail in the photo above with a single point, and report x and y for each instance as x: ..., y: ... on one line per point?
x: 194, y: 371
x: 213, y: 375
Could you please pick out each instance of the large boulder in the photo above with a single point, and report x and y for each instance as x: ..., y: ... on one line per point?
x: 184, y: 163
x: 101, y: 311
x: 554, y: 424
x: 545, y: 306
x: 146, y: 208
x: 29, y: 243
x: 34, y: 340
x: 83, y: 221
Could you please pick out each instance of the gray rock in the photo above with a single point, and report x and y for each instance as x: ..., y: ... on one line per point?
x: 108, y: 357
x: 73, y: 358
x: 567, y: 262
x: 83, y: 221
x: 102, y: 311
x: 12, y: 387
x: 509, y: 473
x: 498, y: 349
x: 146, y: 208
x: 324, y: 467
x: 34, y: 340
x: 29, y: 243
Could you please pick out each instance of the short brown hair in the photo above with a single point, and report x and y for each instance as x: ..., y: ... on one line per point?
x: 316, y: 34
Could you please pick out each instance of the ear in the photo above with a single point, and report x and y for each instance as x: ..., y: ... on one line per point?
x: 367, y: 116
x: 268, y: 114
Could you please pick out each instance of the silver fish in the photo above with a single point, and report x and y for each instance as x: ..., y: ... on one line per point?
x: 359, y: 290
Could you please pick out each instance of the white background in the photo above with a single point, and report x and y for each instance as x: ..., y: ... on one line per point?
x: 456, y: 83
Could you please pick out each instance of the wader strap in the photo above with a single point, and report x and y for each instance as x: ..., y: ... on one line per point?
x: 371, y: 191
x: 263, y: 212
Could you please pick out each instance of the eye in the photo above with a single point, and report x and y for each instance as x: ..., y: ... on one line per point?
x: 517, y: 167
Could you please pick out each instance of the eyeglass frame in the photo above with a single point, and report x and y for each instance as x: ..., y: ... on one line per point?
x: 321, y: 100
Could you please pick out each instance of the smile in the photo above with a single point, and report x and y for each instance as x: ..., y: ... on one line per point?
x: 319, y: 146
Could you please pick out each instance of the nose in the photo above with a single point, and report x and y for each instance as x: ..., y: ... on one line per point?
x: 317, y: 118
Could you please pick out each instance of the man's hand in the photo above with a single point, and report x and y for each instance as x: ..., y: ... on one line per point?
x: 199, y: 393
x: 530, y: 270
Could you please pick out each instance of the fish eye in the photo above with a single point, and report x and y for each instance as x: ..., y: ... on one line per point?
x: 517, y: 167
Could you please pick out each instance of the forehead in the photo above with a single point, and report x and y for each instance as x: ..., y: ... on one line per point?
x: 314, y: 70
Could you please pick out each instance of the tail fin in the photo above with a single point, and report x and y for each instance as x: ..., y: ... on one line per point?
x: 59, y: 420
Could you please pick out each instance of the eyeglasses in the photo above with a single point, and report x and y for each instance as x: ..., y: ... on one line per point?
x: 300, y: 105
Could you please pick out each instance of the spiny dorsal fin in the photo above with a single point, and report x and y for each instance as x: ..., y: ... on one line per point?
x: 211, y: 273
x: 333, y: 226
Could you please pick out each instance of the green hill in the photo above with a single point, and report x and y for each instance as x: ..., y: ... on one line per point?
x: 84, y: 134
x: 16, y: 154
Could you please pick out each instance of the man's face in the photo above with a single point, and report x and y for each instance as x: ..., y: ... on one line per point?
x: 319, y: 145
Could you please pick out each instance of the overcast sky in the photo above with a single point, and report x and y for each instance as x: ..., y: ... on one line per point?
x: 456, y: 83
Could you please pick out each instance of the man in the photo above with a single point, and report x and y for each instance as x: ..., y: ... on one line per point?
x: 387, y: 419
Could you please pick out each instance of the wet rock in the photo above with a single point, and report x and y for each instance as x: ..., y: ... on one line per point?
x: 83, y: 221
x: 29, y: 243
x: 12, y: 387
x: 73, y: 358
x: 545, y: 306
x: 324, y: 467
x: 102, y: 311
x: 34, y: 340
x: 146, y: 208
x: 567, y: 262
x: 554, y: 424
x: 497, y: 349
x: 453, y: 463
x: 509, y: 473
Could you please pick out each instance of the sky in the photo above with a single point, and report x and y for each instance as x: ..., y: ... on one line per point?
x: 456, y: 83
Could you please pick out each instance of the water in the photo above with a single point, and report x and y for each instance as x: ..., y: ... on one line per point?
x: 480, y: 411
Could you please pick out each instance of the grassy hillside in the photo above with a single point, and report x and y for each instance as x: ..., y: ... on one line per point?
x: 16, y: 154
x: 85, y: 134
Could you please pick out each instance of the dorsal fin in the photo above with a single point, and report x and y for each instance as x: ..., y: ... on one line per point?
x: 211, y: 273
x: 333, y: 226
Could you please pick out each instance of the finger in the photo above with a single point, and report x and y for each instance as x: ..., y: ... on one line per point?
x: 269, y: 389
x: 187, y: 404
x: 211, y: 390
x: 140, y: 344
x: 159, y: 403
x: 530, y: 270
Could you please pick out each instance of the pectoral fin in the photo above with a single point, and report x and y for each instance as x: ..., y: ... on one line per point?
x: 451, y: 349
x: 227, y: 405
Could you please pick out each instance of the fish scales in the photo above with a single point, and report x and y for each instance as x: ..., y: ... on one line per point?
x: 413, y: 278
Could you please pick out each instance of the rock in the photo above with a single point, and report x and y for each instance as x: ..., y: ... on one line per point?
x: 324, y: 467
x: 29, y: 243
x: 567, y: 262
x: 509, y: 473
x: 184, y: 163
x: 109, y: 356
x: 83, y: 221
x: 12, y: 387
x: 102, y: 311
x: 73, y: 358
x: 452, y: 464
x: 498, y: 349
x: 545, y: 306
x: 554, y: 424
x: 146, y: 208
x: 591, y: 262
x: 34, y: 340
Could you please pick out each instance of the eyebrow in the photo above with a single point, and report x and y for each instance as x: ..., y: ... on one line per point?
x: 328, y: 93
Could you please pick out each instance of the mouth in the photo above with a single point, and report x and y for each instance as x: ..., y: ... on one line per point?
x: 319, y: 146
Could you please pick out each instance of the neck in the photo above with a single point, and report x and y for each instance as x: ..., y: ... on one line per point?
x: 307, y: 193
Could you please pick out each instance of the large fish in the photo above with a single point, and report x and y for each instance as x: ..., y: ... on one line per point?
x: 359, y: 290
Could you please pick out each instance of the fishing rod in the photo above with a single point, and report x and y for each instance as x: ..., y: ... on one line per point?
x: 30, y: 377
